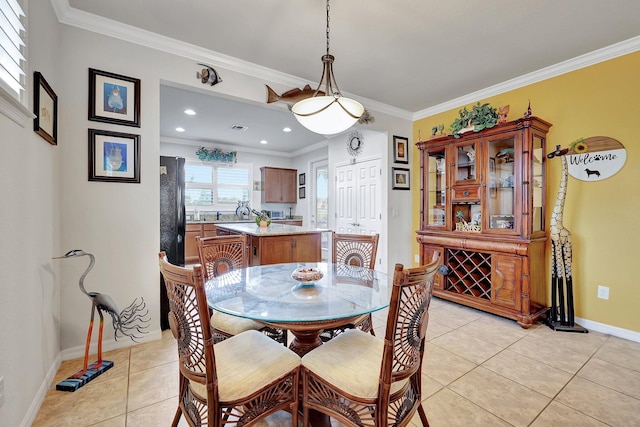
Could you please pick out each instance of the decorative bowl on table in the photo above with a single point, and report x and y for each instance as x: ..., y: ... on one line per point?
x: 306, y: 275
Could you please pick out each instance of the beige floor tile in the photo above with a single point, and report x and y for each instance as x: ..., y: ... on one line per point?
x: 497, y: 330
x: 118, y: 421
x: 88, y: 405
x: 606, y: 405
x: 444, y: 366
x: 153, y: 385
x: 504, y: 398
x: 550, y: 354
x: 154, y: 353
x: 453, y: 315
x: 158, y: 414
x: 581, y: 343
x: 620, y: 352
x: 532, y: 374
x: 557, y: 414
x: 615, y: 377
x: 467, y: 346
x: 429, y: 386
x: 448, y: 409
x: 435, y: 329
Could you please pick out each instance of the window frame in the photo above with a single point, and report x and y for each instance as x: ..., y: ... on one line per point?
x: 15, y: 105
x: 215, y: 206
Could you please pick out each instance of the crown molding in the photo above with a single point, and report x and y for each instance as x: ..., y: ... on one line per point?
x: 108, y: 27
x: 606, y: 53
x: 211, y: 144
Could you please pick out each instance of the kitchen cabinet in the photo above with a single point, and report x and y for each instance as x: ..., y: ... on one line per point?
x: 190, y: 247
x: 279, y: 185
x: 279, y: 243
x: 482, y: 205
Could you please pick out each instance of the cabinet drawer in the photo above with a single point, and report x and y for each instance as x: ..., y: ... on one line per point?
x: 465, y: 193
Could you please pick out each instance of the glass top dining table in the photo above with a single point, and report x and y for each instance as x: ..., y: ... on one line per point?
x: 271, y: 295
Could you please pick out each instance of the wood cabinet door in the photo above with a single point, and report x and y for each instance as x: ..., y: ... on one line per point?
x: 506, y: 277
x: 288, y: 179
x: 306, y: 248
x: 209, y: 230
x: 275, y: 249
x: 190, y: 247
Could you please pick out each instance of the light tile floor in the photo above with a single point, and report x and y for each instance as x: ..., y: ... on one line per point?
x: 479, y: 370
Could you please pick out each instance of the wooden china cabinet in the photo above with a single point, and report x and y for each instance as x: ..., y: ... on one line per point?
x: 482, y: 208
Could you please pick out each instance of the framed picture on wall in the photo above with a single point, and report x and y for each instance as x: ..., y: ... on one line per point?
x: 114, y: 98
x: 400, y: 179
x: 400, y: 149
x: 301, y: 193
x: 301, y: 179
x: 114, y: 156
x: 45, y: 107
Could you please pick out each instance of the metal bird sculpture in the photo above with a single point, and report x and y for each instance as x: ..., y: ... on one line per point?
x: 130, y: 322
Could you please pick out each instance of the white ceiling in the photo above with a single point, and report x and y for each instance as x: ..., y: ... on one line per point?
x: 410, y: 55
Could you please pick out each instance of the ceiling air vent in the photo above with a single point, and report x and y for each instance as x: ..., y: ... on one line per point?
x: 239, y: 128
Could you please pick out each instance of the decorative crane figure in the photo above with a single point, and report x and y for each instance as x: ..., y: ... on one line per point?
x: 561, y: 251
x: 131, y: 322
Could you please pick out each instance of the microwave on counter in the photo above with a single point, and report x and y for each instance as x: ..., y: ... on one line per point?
x: 276, y: 214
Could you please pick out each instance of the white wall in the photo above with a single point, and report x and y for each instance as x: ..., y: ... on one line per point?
x: 29, y: 218
x: 49, y: 206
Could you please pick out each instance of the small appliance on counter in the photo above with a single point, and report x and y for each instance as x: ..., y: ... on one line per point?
x: 276, y: 214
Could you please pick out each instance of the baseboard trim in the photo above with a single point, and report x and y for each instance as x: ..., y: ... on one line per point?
x: 73, y: 352
x: 32, y: 412
x: 608, y: 329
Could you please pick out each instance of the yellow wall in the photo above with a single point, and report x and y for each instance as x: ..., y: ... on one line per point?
x: 603, y: 216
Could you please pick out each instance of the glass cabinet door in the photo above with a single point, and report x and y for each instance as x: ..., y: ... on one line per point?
x: 435, y: 198
x: 465, y: 163
x: 501, y: 183
x: 538, y: 185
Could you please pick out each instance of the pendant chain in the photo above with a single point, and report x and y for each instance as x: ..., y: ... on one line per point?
x: 327, y: 27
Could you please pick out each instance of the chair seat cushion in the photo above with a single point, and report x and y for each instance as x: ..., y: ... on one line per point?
x: 246, y: 363
x: 351, y: 362
x: 233, y: 325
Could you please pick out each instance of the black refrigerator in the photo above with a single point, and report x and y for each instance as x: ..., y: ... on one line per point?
x: 172, y: 221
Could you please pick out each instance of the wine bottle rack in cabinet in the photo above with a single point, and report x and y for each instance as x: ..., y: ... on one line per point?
x: 469, y: 273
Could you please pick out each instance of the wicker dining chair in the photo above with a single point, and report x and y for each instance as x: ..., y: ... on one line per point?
x: 219, y: 255
x: 363, y: 380
x: 239, y: 381
x: 358, y: 250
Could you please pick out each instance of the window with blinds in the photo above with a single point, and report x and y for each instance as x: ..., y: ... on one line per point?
x: 12, y: 48
x: 216, y: 186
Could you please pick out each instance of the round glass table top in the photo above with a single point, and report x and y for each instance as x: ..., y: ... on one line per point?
x: 269, y: 293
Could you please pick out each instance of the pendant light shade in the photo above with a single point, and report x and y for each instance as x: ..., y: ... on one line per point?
x: 327, y: 112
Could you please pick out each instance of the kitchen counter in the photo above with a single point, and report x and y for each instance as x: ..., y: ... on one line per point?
x: 278, y: 243
x: 274, y: 229
x: 233, y: 219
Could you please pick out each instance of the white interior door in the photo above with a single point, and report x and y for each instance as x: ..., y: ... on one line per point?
x: 359, y: 202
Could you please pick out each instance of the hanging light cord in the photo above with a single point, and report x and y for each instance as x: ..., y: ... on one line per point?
x: 328, y: 27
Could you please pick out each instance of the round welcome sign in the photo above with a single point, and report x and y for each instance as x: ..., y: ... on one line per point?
x: 600, y: 158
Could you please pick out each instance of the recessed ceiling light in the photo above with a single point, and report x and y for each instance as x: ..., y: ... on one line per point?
x: 264, y: 141
x: 240, y: 128
x: 287, y: 129
x: 189, y: 112
x: 179, y: 129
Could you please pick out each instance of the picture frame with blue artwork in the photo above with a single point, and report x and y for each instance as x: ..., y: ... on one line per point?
x: 114, y: 156
x: 114, y: 98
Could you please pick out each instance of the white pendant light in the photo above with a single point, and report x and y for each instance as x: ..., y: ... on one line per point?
x: 329, y: 112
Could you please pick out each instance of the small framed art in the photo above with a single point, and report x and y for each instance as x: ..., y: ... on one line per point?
x: 114, y: 98
x: 301, y: 193
x: 400, y: 178
x: 301, y: 179
x: 400, y: 149
x: 114, y: 156
x: 45, y: 107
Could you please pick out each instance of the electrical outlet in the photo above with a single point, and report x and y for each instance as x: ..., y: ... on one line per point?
x: 1, y: 391
x: 603, y: 292
x: 416, y: 258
